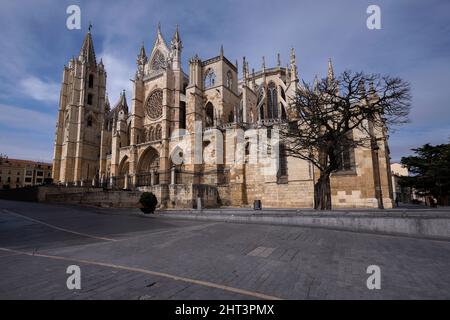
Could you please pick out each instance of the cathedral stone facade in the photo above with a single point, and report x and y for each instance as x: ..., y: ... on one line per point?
x: 202, y: 134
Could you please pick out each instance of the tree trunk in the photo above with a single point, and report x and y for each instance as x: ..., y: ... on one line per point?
x: 322, y: 194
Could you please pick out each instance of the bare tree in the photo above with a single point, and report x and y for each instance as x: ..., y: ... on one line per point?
x: 326, y: 115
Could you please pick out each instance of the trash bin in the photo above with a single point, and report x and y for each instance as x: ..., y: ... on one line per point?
x: 257, y: 205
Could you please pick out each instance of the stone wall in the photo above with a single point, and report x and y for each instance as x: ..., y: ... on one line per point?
x: 184, y: 195
x: 117, y: 199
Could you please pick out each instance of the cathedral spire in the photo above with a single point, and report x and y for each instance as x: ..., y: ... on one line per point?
x: 159, y: 37
x: 244, y: 69
x: 176, y: 40
x: 316, y: 84
x: 142, y: 55
x: 330, y: 74
x: 122, y: 104
x: 107, y: 104
x: 87, y: 49
x: 294, y: 76
x: 278, y: 60
x: 176, y: 36
x: 221, y: 51
x: 263, y: 64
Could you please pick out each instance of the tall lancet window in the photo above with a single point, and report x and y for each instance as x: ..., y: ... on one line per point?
x: 210, y: 78
x: 272, y: 101
x: 229, y: 80
x: 209, y: 115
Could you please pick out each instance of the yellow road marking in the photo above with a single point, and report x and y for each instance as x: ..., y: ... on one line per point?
x: 153, y: 273
x: 58, y: 228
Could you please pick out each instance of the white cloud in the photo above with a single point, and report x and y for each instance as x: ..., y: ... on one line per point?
x: 40, y: 90
x: 119, y: 72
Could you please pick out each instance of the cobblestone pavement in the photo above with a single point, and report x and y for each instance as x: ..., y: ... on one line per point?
x: 125, y: 256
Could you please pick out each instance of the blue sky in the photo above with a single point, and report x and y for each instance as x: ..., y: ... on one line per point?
x: 35, y: 44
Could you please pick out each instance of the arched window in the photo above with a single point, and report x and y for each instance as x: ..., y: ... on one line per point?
x: 151, y: 134
x: 91, y: 81
x: 210, y: 78
x: 209, y: 115
x: 272, y: 101
x: 158, y: 132
x: 229, y: 80
x: 90, y: 97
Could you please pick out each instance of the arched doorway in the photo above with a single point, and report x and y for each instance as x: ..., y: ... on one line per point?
x: 124, y: 167
x: 148, y: 168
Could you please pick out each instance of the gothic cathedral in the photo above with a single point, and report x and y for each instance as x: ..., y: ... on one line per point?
x: 198, y: 134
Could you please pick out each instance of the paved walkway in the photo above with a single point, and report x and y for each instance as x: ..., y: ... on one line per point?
x: 124, y: 256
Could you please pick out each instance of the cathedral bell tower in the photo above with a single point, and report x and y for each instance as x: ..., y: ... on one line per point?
x: 80, y: 118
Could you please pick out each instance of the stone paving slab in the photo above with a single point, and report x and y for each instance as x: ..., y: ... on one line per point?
x: 176, y: 259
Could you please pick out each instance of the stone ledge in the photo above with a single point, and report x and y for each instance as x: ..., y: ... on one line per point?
x: 430, y: 227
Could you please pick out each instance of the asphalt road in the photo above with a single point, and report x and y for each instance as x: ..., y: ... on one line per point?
x: 122, y: 255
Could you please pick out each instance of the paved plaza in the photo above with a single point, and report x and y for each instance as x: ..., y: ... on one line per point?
x: 123, y: 255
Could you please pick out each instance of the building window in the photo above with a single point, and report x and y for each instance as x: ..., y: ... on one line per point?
x: 91, y: 81
x: 89, y: 121
x: 210, y: 78
x: 229, y: 80
x: 29, y: 173
x: 345, y: 158
x: 39, y: 180
x: 18, y: 179
x: 346, y: 155
x: 283, y: 165
x: 89, y: 99
x: 182, y: 115
x: 272, y: 101
x: 231, y: 117
x: 158, y: 132
x: 209, y: 119
x: 28, y: 180
x: 40, y: 174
